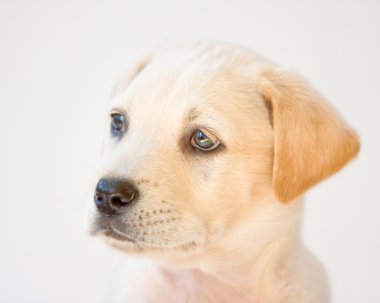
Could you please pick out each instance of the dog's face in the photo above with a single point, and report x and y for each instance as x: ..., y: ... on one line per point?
x: 197, y: 143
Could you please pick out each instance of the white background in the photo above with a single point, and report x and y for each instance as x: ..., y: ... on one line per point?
x: 58, y: 62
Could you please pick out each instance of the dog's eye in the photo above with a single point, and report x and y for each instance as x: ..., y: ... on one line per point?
x: 204, y: 140
x: 118, y: 126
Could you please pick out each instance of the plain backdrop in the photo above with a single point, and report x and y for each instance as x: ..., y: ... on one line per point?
x: 58, y: 62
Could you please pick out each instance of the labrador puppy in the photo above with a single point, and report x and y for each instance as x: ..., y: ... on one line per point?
x: 209, y: 150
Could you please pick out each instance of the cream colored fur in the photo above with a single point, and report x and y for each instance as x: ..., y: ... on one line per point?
x: 214, y: 226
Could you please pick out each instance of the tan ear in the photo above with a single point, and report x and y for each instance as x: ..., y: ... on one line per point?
x: 129, y: 76
x: 311, y: 141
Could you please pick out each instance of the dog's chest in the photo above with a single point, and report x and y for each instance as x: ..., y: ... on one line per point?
x: 194, y: 287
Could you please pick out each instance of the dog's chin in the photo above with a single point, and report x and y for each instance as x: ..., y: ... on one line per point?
x: 163, y: 252
x: 129, y: 241
x: 111, y: 233
x: 121, y: 241
x: 137, y: 241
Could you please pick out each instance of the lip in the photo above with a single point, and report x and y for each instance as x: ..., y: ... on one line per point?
x: 114, y: 234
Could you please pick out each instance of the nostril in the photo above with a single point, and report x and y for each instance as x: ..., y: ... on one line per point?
x: 118, y: 201
x: 99, y: 200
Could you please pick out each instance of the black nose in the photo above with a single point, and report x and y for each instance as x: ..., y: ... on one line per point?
x: 113, y: 194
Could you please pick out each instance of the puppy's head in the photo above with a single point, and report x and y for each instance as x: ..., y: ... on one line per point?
x: 203, y: 137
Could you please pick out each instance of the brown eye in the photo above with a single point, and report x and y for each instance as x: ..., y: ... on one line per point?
x: 118, y: 126
x: 204, y: 140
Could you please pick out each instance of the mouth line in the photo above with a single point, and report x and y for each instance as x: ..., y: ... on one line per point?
x: 113, y: 233
x: 117, y: 235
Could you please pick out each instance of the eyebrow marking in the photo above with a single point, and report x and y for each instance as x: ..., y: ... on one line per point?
x: 192, y: 115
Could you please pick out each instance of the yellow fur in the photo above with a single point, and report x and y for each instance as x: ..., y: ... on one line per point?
x: 211, y: 222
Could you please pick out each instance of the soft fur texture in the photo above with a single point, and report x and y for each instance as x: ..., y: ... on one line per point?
x: 214, y: 226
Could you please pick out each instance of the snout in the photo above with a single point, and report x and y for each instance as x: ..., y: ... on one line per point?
x: 112, y: 195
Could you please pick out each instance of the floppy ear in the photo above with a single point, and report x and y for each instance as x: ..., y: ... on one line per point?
x: 129, y: 76
x: 311, y: 141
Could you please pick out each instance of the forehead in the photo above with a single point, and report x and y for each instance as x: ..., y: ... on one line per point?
x: 209, y: 87
x: 176, y: 82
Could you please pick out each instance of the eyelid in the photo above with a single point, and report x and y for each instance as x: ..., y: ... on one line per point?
x: 209, y: 134
x: 206, y: 129
x: 214, y: 138
x: 117, y: 110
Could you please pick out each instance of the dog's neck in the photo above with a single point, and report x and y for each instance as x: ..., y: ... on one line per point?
x: 240, y: 274
x: 245, y: 281
x: 197, y: 286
